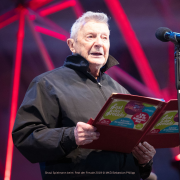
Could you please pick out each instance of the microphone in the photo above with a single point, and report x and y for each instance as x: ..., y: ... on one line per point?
x: 165, y: 34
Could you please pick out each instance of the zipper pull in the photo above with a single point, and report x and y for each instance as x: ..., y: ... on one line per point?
x: 99, y: 84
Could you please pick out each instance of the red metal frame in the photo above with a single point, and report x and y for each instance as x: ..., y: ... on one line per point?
x: 49, y: 23
x: 44, y: 53
x: 78, y: 9
x: 118, y: 73
x: 50, y: 33
x: 6, y: 19
x: 1, y: 169
x: 7, y: 15
x: 35, y: 4
x: 9, y: 21
x: 134, y: 46
x: 15, y: 91
x: 164, y: 7
x: 121, y: 19
x: 57, y: 7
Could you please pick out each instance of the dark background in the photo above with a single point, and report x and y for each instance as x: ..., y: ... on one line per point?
x: 144, y: 16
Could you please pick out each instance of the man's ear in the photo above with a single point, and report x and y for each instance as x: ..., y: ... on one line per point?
x: 70, y: 43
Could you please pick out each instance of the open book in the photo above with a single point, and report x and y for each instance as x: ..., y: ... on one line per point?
x: 126, y: 120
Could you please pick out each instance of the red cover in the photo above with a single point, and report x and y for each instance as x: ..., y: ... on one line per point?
x: 124, y: 139
x: 165, y: 140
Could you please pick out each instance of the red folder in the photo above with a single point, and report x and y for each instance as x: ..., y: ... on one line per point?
x: 126, y: 120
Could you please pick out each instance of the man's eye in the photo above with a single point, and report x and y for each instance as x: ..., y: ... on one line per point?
x: 90, y: 36
x: 105, y: 38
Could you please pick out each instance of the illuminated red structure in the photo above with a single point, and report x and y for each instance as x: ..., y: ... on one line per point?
x: 30, y: 12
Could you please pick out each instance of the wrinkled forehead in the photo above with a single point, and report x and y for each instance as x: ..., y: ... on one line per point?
x: 94, y: 26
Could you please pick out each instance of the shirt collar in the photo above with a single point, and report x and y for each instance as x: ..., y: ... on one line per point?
x: 79, y: 63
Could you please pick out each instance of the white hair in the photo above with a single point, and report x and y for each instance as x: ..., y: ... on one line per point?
x: 88, y: 16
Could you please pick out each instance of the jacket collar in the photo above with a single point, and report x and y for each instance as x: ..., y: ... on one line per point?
x: 79, y: 63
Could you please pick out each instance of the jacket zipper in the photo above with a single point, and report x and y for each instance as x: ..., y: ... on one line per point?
x: 99, y: 85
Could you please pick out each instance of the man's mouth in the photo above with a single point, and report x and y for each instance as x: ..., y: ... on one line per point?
x: 96, y: 53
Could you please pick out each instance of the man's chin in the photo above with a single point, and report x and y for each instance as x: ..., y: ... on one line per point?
x: 97, y: 61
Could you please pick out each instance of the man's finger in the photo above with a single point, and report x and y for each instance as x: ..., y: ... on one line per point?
x: 148, y: 146
x: 143, y: 148
x: 87, y: 134
x: 142, y: 158
x: 140, y: 153
x: 147, y: 149
x: 143, y: 152
x: 84, y: 126
x: 91, y: 134
x: 83, y: 136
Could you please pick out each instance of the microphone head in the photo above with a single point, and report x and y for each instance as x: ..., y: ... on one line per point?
x: 160, y: 33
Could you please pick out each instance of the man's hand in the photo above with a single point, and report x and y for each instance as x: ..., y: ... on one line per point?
x: 143, y: 152
x: 85, y: 133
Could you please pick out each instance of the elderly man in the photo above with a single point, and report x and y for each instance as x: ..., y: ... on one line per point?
x: 51, y: 122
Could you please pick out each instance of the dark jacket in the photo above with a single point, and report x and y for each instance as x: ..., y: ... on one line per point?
x: 44, y: 127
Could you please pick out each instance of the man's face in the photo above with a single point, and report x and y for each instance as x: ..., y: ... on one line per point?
x: 93, y: 43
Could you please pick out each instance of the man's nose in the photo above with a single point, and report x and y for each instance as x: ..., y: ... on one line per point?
x: 98, y: 41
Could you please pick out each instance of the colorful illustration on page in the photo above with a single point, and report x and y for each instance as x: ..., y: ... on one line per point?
x: 129, y: 114
x: 168, y: 123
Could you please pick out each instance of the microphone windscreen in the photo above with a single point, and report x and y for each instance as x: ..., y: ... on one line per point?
x: 160, y: 32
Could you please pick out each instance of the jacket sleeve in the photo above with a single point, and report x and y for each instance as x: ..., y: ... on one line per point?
x: 146, y: 170
x: 34, y: 133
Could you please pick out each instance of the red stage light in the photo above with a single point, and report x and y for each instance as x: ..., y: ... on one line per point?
x: 134, y: 46
x: 34, y: 4
x: 177, y: 158
x: 50, y: 33
x: 8, y: 21
x: 32, y: 17
x: 1, y: 169
x: 57, y: 7
x: 7, y: 15
x: 118, y: 73
x: 78, y: 9
x: 15, y: 91
x: 44, y: 53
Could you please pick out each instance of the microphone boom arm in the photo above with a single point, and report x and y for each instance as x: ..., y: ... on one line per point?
x: 177, y: 76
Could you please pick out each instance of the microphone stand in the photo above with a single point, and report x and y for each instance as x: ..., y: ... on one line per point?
x: 177, y: 76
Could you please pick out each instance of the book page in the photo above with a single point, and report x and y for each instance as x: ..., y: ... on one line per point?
x: 127, y: 113
x: 168, y: 123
